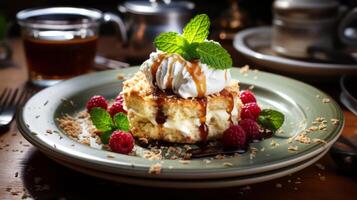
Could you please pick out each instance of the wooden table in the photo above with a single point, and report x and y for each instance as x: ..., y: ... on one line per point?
x: 24, y: 171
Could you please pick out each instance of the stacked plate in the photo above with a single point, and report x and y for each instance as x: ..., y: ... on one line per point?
x: 271, y: 158
x: 255, y: 45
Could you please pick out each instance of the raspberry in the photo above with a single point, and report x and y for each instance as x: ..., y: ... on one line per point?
x: 121, y: 142
x: 115, y: 108
x: 251, y: 127
x: 234, y: 136
x: 250, y: 111
x: 247, y: 96
x: 119, y: 98
x: 97, y: 101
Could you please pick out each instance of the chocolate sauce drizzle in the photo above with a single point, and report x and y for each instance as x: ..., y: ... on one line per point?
x: 230, y: 106
x: 160, y: 100
x: 158, y: 94
x: 203, y: 127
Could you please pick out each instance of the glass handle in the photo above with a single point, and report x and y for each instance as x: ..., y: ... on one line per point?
x: 110, y: 17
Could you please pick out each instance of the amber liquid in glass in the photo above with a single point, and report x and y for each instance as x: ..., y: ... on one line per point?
x: 59, y: 58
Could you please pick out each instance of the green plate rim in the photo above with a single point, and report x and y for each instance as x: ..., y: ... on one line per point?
x: 117, y: 165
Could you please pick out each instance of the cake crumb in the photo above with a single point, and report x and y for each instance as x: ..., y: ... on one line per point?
x: 244, y: 69
x: 273, y: 143
x: 70, y: 126
x: 110, y: 156
x: 121, y: 76
x: 155, y: 169
x: 313, y: 128
x: 228, y: 164
x: 207, y: 161
x: 317, y: 140
x: 153, y: 155
x: 320, y: 166
x: 326, y: 100
x: 184, y: 162
x: 335, y: 121
x: 293, y: 148
x: 303, y: 138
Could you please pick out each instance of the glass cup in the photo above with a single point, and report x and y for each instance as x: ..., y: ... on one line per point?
x: 61, y: 42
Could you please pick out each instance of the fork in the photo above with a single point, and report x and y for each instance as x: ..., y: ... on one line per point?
x: 10, y: 99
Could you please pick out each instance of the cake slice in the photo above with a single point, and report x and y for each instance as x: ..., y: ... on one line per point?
x: 156, y: 115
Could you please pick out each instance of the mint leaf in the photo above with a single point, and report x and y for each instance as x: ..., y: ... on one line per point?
x: 197, y: 29
x: 170, y: 42
x: 271, y: 119
x: 191, y: 52
x: 214, y: 55
x: 121, y: 121
x: 104, y: 137
x: 101, y: 119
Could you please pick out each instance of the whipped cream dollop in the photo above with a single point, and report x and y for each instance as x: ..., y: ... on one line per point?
x: 184, y: 78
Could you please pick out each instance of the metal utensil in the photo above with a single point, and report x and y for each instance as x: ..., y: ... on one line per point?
x: 10, y: 99
x: 344, y: 153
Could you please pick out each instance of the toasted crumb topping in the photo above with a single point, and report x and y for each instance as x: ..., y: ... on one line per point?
x: 70, y: 126
x: 273, y: 143
x: 227, y: 164
x: 244, y: 69
x: 303, y: 138
x: 184, y: 162
x: 153, y: 155
x: 317, y: 140
x: 326, y: 100
x: 335, y: 121
x: 293, y: 148
x: 155, y: 169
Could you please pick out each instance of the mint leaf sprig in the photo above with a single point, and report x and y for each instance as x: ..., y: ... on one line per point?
x: 271, y: 119
x: 192, y: 44
x: 104, y: 123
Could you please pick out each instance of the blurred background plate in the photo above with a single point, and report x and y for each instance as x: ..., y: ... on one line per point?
x: 255, y: 45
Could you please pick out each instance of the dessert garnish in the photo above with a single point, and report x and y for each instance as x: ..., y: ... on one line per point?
x: 121, y: 142
x: 235, y: 137
x: 112, y: 124
x: 192, y: 44
x: 271, y: 119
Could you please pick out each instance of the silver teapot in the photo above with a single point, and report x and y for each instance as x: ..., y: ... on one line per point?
x: 144, y: 20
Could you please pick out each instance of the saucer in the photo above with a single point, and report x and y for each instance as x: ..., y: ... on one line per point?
x: 255, y: 45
